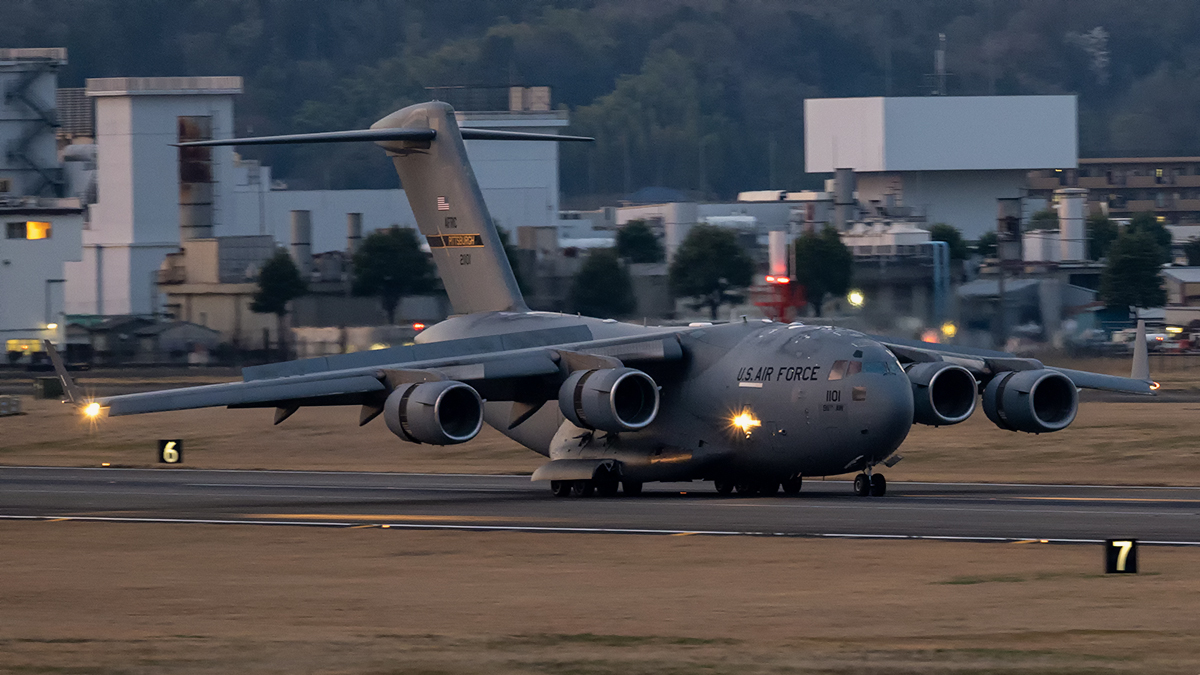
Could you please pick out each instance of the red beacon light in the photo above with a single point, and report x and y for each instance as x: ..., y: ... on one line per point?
x: 418, y: 326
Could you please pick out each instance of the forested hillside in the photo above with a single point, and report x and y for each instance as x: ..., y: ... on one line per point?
x: 698, y: 95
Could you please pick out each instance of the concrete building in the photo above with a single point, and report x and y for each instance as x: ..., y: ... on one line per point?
x: 947, y: 157
x: 39, y: 238
x: 150, y: 195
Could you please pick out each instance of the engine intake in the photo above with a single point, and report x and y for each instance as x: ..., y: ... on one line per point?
x: 438, y: 413
x: 943, y: 393
x: 609, y: 399
x: 1033, y: 401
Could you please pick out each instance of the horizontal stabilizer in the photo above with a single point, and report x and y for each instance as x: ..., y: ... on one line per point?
x: 358, y: 135
x: 493, y: 135
x: 325, y: 137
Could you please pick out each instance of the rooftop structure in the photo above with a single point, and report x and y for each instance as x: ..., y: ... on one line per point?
x: 28, y: 121
x: 947, y: 157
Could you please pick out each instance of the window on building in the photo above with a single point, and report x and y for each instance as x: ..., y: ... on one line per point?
x: 32, y: 229
x: 5, y: 185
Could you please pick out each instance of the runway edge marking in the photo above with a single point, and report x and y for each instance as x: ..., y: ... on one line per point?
x: 576, y: 530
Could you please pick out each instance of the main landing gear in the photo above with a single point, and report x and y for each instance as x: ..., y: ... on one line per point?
x: 756, y: 488
x: 606, y: 487
x: 873, y: 484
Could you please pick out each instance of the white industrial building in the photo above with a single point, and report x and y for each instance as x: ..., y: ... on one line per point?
x: 947, y: 157
x: 39, y: 229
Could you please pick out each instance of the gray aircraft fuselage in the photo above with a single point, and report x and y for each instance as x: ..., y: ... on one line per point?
x: 814, y: 401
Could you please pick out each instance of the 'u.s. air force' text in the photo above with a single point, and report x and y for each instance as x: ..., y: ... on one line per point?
x: 783, y: 374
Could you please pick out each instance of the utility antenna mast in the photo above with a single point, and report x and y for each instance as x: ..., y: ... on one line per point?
x: 939, y: 66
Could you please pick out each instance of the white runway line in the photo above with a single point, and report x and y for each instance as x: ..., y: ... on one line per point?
x: 576, y: 530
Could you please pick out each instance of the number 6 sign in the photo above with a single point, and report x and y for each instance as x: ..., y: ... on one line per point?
x: 170, y: 451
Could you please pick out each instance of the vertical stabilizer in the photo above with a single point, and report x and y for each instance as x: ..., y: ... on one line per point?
x: 1141, y: 356
x: 450, y: 212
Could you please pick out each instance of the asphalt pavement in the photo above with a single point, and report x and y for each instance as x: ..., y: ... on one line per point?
x: 967, y: 511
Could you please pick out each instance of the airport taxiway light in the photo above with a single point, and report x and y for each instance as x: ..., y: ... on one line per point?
x: 856, y: 298
x: 746, y: 422
x: 92, y: 410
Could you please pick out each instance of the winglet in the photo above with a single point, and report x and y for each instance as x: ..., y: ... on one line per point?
x: 1141, y: 357
x: 72, y: 392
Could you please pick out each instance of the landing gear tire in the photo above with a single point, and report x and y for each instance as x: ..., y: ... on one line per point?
x: 792, y: 486
x: 723, y: 487
x: 878, y: 485
x: 560, y: 488
x: 862, y: 485
x: 582, y: 488
x: 632, y: 488
x: 768, y: 488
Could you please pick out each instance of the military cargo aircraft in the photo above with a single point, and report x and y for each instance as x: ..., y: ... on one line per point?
x: 751, y: 405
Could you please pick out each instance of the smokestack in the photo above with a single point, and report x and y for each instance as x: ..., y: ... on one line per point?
x: 1072, y: 235
x: 302, y: 242
x: 844, y: 205
x: 777, y: 253
x: 353, y: 232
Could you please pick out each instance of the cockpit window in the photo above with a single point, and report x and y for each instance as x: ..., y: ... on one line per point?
x: 843, y: 369
x: 838, y: 371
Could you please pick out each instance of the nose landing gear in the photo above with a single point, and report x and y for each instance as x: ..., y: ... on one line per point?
x: 869, y: 483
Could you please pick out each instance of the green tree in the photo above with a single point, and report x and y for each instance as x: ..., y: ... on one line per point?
x: 279, y: 283
x: 1131, y: 276
x: 1101, y: 233
x: 709, y: 267
x: 1046, y: 219
x: 824, y: 265
x: 637, y: 243
x: 986, y: 245
x: 953, y: 237
x: 390, y: 264
x: 1150, y: 224
x: 1192, y: 250
x: 602, y: 287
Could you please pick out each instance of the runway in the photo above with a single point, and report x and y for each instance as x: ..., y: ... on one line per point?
x: 955, y: 511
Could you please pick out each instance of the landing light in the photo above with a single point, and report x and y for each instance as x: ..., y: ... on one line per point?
x: 746, y: 422
x: 1154, y: 386
x: 856, y: 298
x: 92, y: 410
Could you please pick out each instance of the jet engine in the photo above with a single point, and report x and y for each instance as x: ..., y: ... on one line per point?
x: 609, y: 399
x: 438, y: 413
x: 1033, y: 401
x: 943, y: 393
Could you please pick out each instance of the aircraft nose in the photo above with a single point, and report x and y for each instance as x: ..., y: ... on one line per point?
x: 890, y: 414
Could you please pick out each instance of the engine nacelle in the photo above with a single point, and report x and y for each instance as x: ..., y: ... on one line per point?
x: 609, y: 399
x: 438, y: 413
x: 1033, y: 401
x: 943, y: 393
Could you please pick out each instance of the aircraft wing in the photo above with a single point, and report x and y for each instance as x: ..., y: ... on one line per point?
x: 986, y: 363
x: 517, y: 366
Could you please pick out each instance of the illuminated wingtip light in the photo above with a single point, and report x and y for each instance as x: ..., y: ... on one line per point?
x: 92, y: 410
x: 746, y: 422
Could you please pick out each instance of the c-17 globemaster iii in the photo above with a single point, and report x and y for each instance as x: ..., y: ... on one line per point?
x: 749, y: 405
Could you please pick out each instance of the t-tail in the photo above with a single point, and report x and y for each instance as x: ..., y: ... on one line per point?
x: 426, y: 145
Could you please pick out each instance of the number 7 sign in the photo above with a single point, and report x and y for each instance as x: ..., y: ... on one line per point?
x: 1120, y: 556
